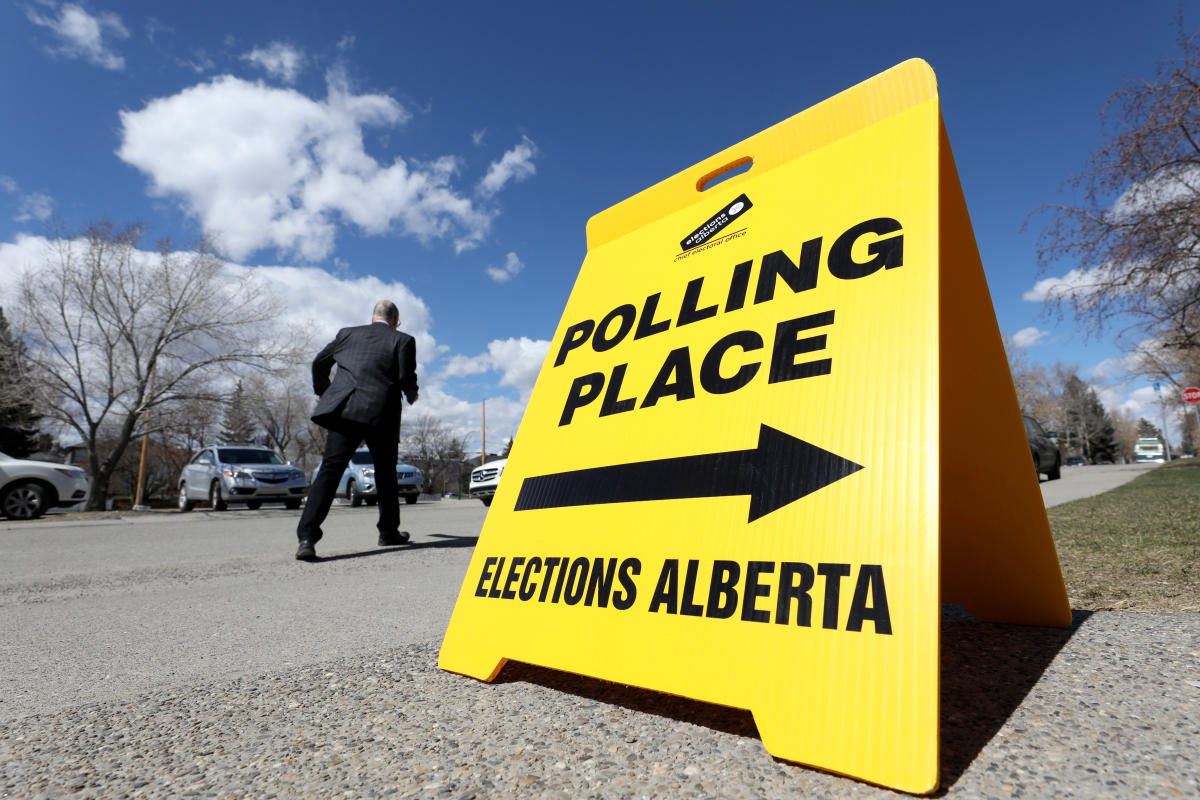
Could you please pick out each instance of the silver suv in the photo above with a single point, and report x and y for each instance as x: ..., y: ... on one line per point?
x: 224, y: 474
x: 357, y: 483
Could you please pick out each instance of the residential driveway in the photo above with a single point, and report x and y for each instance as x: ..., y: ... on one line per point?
x: 1079, y: 482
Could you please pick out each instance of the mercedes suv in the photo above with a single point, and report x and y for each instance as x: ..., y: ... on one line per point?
x: 484, y: 480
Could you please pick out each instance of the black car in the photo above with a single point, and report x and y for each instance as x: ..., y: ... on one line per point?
x: 1046, y: 457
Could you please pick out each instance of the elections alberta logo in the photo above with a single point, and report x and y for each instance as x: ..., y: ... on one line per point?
x: 717, y: 222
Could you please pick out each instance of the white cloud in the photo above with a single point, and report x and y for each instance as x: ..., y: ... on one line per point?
x: 35, y: 206
x: 83, y: 35
x: 1078, y: 283
x: 1028, y: 337
x: 1144, y: 396
x: 280, y: 60
x: 1108, y: 369
x: 29, y: 206
x: 269, y: 167
x: 323, y: 303
x: 463, y: 366
x: 517, y: 360
x: 477, y: 136
x: 504, y: 274
x: 515, y: 165
x: 1164, y: 188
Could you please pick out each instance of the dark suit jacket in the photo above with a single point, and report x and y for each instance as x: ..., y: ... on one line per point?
x: 375, y: 367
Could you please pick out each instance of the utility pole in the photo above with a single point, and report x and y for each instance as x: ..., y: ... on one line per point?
x: 1162, y: 407
x: 483, y: 434
x: 137, y: 504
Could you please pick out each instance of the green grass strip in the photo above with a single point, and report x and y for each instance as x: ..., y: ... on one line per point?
x: 1137, y: 547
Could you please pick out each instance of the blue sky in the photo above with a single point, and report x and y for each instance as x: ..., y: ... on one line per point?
x: 450, y: 154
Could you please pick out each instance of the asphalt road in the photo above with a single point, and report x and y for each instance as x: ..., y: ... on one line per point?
x: 163, y: 654
x: 104, y: 609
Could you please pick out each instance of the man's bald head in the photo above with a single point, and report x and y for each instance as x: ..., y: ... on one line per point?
x: 386, y: 310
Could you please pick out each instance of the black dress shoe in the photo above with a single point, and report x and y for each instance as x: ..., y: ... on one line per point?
x: 307, y: 551
x: 393, y: 539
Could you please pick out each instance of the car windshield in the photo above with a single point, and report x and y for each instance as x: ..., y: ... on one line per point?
x: 362, y: 457
x: 247, y: 455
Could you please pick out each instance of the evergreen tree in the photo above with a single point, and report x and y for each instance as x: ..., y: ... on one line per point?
x: 1104, y: 433
x: 1089, y: 427
x: 238, y: 425
x: 1147, y: 430
x: 18, y: 415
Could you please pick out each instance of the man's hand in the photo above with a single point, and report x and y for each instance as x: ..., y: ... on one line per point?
x: 412, y: 398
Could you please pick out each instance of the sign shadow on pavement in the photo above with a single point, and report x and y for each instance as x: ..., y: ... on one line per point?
x: 987, y: 671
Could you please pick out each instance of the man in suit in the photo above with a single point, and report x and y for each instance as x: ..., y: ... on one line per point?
x: 376, y: 366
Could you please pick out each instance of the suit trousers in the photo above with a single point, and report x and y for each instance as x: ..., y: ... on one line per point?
x: 340, y: 444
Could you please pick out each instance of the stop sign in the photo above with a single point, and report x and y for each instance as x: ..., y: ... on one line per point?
x: 1191, y: 394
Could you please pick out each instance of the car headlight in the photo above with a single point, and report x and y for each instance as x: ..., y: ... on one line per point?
x: 70, y: 472
x: 297, y: 475
x: 368, y: 472
x: 237, y: 474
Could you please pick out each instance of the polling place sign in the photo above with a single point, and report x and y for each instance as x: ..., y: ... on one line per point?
x: 774, y: 430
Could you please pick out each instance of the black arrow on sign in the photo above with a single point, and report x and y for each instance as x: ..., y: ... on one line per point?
x: 781, y: 470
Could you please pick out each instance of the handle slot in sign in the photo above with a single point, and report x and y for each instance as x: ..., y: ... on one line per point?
x: 730, y: 170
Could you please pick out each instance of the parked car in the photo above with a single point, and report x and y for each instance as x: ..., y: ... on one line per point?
x: 1046, y: 456
x: 1076, y: 461
x: 224, y: 474
x: 358, y: 483
x: 29, y: 489
x: 485, y: 478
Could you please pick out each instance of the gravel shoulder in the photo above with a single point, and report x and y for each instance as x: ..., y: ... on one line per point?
x: 1106, y: 709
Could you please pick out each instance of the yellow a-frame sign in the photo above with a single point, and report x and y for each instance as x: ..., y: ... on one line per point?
x: 750, y: 469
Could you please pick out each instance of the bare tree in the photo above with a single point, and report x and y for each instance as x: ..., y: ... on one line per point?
x: 115, y: 331
x: 280, y: 406
x: 1126, y: 434
x: 435, y: 448
x: 1135, y: 240
x: 1039, y: 388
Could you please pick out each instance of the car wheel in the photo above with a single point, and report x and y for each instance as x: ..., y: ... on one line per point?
x: 353, y: 495
x: 487, y: 501
x: 1056, y: 472
x: 370, y: 500
x: 254, y: 505
x: 291, y: 504
x: 1037, y: 470
x: 215, y: 499
x: 25, y: 501
x: 410, y: 499
x: 185, y: 503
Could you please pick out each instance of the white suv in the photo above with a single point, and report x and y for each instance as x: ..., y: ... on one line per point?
x: 29, y: 488
x: 485, y: 478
